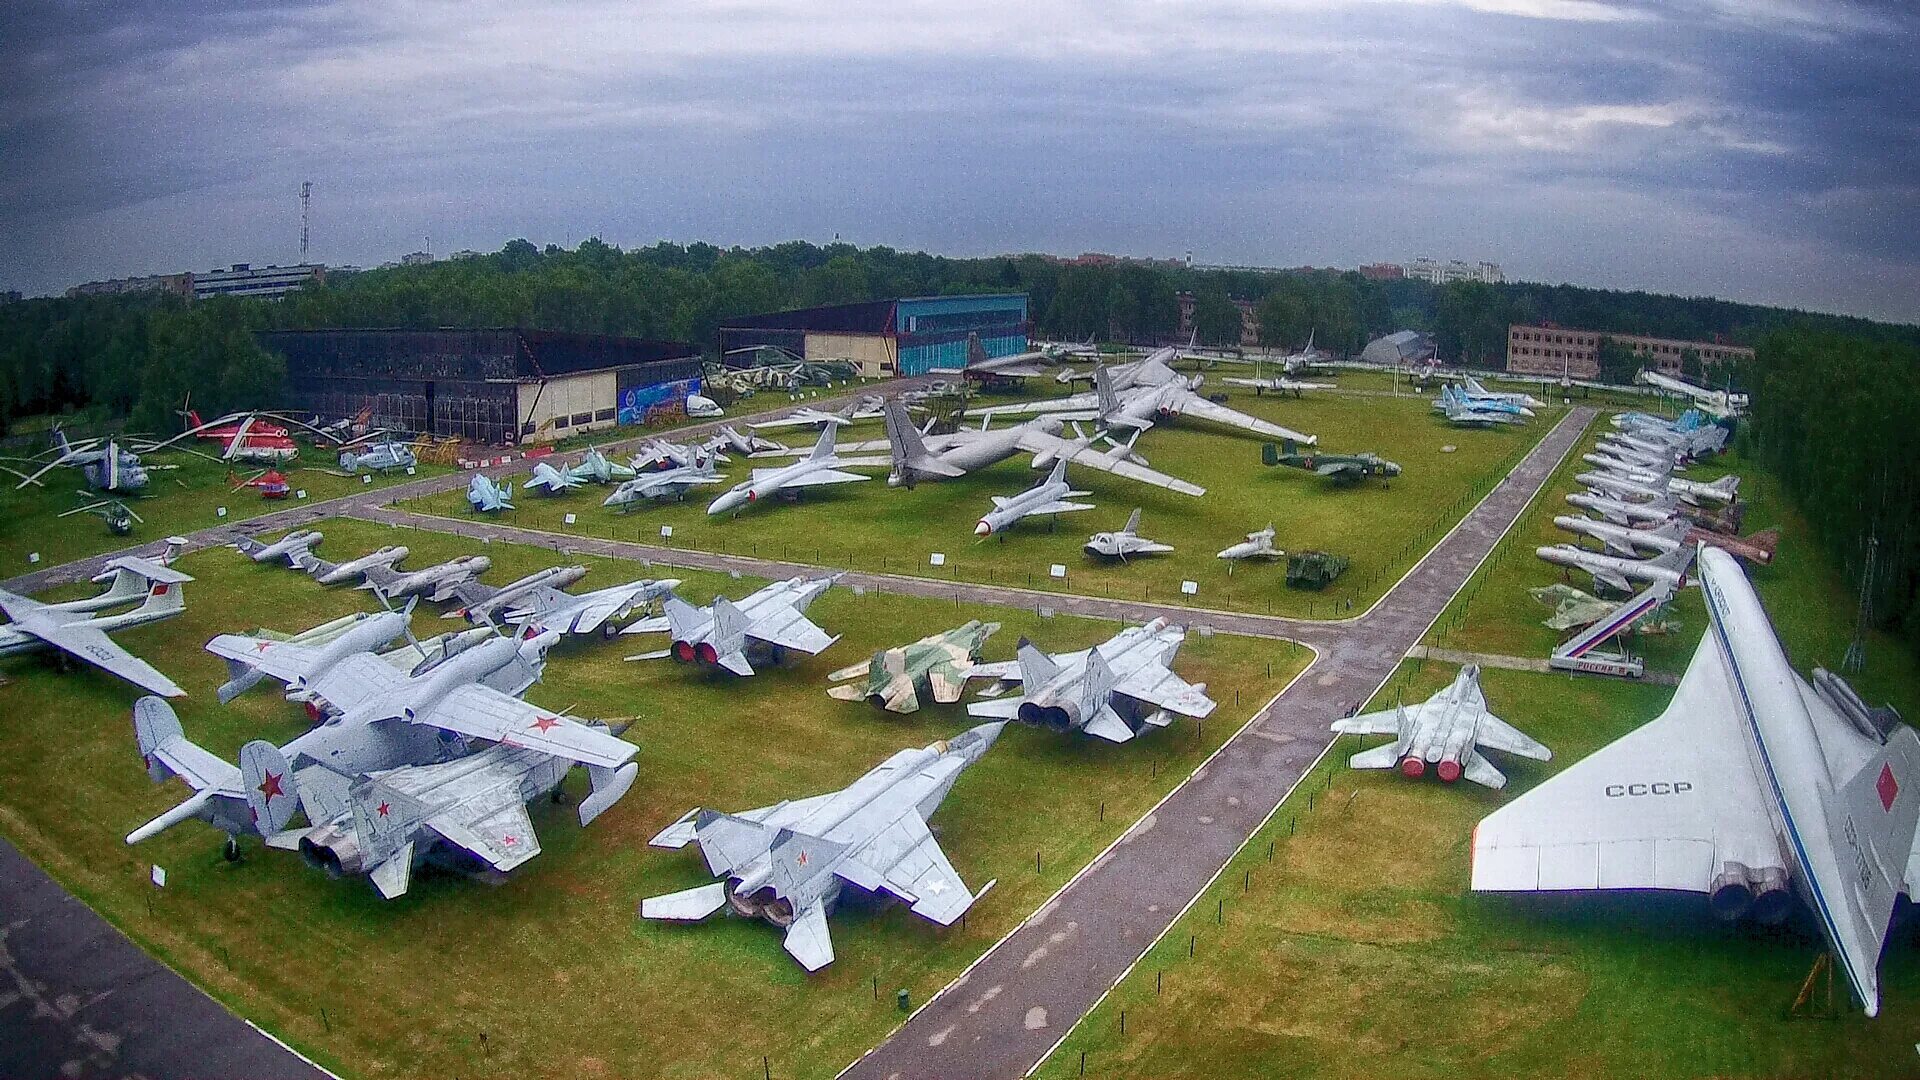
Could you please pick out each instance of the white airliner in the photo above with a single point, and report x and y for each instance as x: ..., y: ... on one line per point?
x: 1752, y: 781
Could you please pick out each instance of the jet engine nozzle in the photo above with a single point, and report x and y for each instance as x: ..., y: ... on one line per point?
x: 333, y: 850
x: 706, y: 653
x: 683, y: 651
x: 1413, y: 767
x: 1056, y: 717
x: 1731, y: 896
x: 1447, y: 770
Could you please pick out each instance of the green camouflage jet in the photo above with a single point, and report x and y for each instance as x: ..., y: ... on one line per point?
x: 1342, y: 469
x: 897, y: 678
x: 1574, y: 610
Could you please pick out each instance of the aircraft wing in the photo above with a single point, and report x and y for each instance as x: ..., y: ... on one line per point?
x: 499, y: 832
x: 356, y: 680
x: 823, y: 476
x: 1659, y: 808
x: 199, y: 767
x: 485, y: 713
x: 1192, y: 404
x: 788, y: 628
x: 1337, y: 468
x: 1159, y: 686
x: 1384, y: 722
x: 94, y: 646
x: 906, y: 860
x: 1496, y: 734
x: 1072, y: 402
x: 1059, y: 507
x: 1040, y: 442
x: 283, y: 660
x: 571, y: 614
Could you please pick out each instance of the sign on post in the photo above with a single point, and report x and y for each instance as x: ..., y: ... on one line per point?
x: 219, y: 511
x: 938, y: 558
x: 666, y: 530
x: 569, y: 519
x: 1057, y: 570
x: 1190, y: 587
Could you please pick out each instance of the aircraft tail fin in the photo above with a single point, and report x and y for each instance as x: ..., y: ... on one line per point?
x: 163, y: 598
x: 1103, y: 390
x: 1036, y: 667
x: 1679, y: 560
x: 683, y: 619
x: 1133, y: 522
x: 155, y: 725
x: 729, y: 627
x: 823, y: 447
x: 272, y: 793
x: 1871, y: 819
x: 1098, y: 682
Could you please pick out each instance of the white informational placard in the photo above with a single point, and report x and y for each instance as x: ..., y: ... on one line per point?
x: 1190, y: 587
x: 409, y: 470
x: 33, y: 556
x: 159, y: 876
x: 1046, y: 613
x: 219, y: 511
x: 938, y: 558
x: 366, y: 479
x: 300, y: 494
x: 569, y: 519
x: 1058, y: 570
x: 666, y: 530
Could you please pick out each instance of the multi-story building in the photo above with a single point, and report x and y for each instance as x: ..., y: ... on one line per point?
x: 908, y: 336
x: 1442, y: 273
x: 178, y: 284
x: 1383, y: 271
x: 245, y: 279
x: 1249, y: 319
x: 1547, y: 349
x: 416, y: 258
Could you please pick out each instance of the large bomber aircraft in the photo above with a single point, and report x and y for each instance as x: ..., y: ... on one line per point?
x: 917, y: 457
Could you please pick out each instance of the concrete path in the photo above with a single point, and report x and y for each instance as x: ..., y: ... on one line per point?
x: 78, y: 1000
x: 1002, y: 1018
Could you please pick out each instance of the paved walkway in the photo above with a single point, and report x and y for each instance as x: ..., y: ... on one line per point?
x: 1002, y: 1018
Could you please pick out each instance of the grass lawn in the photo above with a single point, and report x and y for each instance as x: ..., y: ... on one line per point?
x: 1383, y: 529
x: 1356, y: 950
x: 553, y: 967
x: 182, y: 500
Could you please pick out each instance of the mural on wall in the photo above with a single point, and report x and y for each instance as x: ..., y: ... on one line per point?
x: 640, y: 404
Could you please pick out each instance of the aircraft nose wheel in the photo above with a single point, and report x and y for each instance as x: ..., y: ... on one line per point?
x: 231, y: 850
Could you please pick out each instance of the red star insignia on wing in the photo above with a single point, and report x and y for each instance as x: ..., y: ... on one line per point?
x: 509, y: 840
x: 546, y: 723
x: 270, y: 785
x: 802, y: 860
x: 262, y: 646
x: 382, y: 809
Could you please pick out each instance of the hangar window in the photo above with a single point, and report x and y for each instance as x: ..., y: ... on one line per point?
x: 580, y: 418
x: 604, y: 414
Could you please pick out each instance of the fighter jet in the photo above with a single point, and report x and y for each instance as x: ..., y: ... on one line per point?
x: 1026, y: 365
x: 1716, y: 403
x: 1462, y: 413
x: 1142, y: 406
x: 1675, y: 533
x: 1049, y: 496
x: 1617, y: 573
x: 105, y: 465
x: 436, y: 583
x: 1575, y: 610
x: 769, y: 623
x: 1445, y: 733
x: 917, y: 457
x: 789, y: 863
x: 306, y: 657
x: 1474, y: 392
x: 75, y: 628
x: 823, y: 466
x: 551, y: 480
x: 595, y: 468
x: 398, y: 818
x: 1114, y: 690
x: 1750, y: 783
x: 1341, y: 470
x: 1257, y: 545
x: 865, y: 408
x: 673, y: 483
x: 381, y: 457
x: 287, y: 549
x: 729, y: 438
x: 1279, y: 384
x: 1128, y: 541
x: 487, y: 496
x: 936, y: 666
x: 1725, y: 520
x: 327, y: 573
x: 537, y: 600
x: 1647, y: 488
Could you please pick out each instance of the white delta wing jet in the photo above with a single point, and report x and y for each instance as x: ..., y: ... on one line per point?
x: 1445, y: 732
x: 769, y: 623
x: 75, y: 628
x: 1751, y: 783
x: 1114, y: 690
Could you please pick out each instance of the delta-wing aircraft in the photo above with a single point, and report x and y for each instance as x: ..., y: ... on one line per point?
x: 769, y: 623
x: 1114, y: 690
x: 1444, y: 733
x: 1127, y: 541
x: 76, y: 628
x: 790, y: 862
x: 1751, y: 783
x: 673, y: 483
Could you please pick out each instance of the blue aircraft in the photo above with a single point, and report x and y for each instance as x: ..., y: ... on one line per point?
x: 380, y: 457
x: 485, y: 496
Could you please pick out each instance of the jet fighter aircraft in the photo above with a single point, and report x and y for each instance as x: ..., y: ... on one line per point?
x: 790, y: 863
x: 936, y: 666
x: 1257, y: 545
x: 671, y: 483
x: 1127, y: 541
x: 865, y: 408
x: 1114, y: 690
x: 770, y: 623
x: 1464, y: 413
x: 75, y: 628
x: 1445, y: 733
x: 487, y: 496
x: 537, y: 600
x: 822, y: 466
x: 287, y: 549
x: 1049, y: 496
x: 1617, y: 573
x: 551, y: 480
x: 595, y: 468
x: 436, y: 583
x: 327, y: 573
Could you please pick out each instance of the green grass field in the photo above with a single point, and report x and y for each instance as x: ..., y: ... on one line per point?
x: 1383, y: 529
x: 182, y: 499
x: 553, y: 967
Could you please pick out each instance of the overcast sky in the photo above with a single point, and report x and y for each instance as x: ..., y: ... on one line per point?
x: 1763, y: 150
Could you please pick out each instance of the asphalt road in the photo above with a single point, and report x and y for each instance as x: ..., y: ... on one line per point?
x: 79, y: 999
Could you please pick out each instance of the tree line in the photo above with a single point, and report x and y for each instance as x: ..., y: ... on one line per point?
x: 136, y: 356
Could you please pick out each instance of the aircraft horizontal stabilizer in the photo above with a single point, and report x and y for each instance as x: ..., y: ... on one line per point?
x: 1107, y: 725
x: 807, y: 939
x: 687, y: 905
x: 998, y: 708
x: 1384, y: 756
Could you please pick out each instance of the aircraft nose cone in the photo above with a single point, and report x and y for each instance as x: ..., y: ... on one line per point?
x: 983, y: 529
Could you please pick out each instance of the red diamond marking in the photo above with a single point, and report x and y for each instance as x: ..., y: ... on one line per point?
x: 546, y: 723
x: 270, y: 786
x: 1887, y: 787
x: 382, y: 809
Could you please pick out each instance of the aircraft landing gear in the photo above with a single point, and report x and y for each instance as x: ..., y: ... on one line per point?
x: 230, y: 851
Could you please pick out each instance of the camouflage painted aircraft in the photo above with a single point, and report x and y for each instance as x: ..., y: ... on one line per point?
x: 1342, y: 469
x: 1575, y: 610
x: 900, y: 678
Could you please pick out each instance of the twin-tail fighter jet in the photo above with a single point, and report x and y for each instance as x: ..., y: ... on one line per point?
x: 900, y: 679
x: 1115, y: 690
x: 1444, y: 733
x: 767, y: 624
x: 487, y: 495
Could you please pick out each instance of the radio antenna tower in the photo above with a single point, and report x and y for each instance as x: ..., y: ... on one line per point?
x: 306, y: 197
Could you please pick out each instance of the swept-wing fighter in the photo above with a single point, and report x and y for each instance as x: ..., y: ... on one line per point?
x: 595, y: 468
x: 1128, y: 541
x: 486, y: 496
x: 1462, y: 413
x: 381, y: 457
x: 1476, y: 393
x: 287, y: 549
x: 1114, y: 690
x: 74, y: 628
x: 1751, y: 783
x: 898, y: 679
x: 1718, y: 403
x: 1341, y: 469
x: 1446, y: 733
x: 1675, y: 533
x: 1725, y: 520
x: 537, y: 599
x: 327, y: 573
x: 436, y: 583
x: 790, y: 863
x: 1257, y: 545
x: 1644, y: 487
x: 306, y: 657
x: 822, y: 466
x: 1617, y: 573
x: 1049, y: 496
x: 769, y: 623
x: 866, y: 408
x: 551, y: 480
x: 672, y: 483
x: 1575, y: 610
x: 729, y: 438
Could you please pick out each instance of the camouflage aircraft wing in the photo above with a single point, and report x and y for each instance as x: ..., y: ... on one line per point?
x: 498, y: 831
x: 1034, y: 441
x: 86, y: 643
x: 485, y: 713
x: 1160, y: 687
x: 906, y: 860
